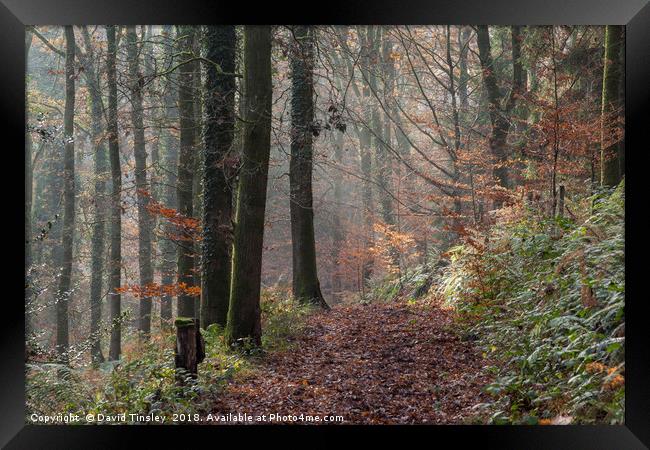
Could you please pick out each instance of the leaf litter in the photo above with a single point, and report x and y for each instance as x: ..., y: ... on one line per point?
x: 379, y: 363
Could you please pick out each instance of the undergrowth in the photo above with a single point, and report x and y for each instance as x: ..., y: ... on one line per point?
x: 144, y: 380
x: 544, y: 298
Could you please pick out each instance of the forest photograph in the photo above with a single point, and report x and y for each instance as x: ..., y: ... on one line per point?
x: 312, y: 224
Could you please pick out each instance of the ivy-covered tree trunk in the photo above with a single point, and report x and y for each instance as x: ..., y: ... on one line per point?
x: 136, y: 84
x: 186, y: 37
x: 115, y: 261
x: 170, y: 147
x: 306, y: 287
x: 612, y: 150
x: 65, y: 280
x: 218, y: 133
x: 244, y: 310
x: 100, y: 172
x: 197, y: 185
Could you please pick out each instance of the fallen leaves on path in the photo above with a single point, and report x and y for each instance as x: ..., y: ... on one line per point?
x: 393, y: 363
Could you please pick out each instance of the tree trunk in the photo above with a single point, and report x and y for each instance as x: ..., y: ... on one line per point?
x: 458, y: 204
x: 218, y: 168
x: 65, y: 280
x: 464, y: 34
x: 384, y: 174
x: 190, y: 348
x: 244, y: 310
x: 337, y: 227
x: 612, y: 152
x: 499, y: 115
x: 385, y: 168
x: 306, y: 287
x: 28, y: 202
x: 197, y: 187
x: 99, y: 203
x: 366, y: 161
x: 154, y: 113
x: 136, y: 82
x: 186, y: 168
x: 170, y: 145
x: 116, y: 204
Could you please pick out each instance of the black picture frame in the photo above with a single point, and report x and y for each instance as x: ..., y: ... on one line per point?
x: 635, y: 14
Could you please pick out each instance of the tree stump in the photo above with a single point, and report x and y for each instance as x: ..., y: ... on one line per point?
x: 190, y: 347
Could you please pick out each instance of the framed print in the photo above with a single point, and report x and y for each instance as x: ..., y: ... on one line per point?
x: 405, y: 218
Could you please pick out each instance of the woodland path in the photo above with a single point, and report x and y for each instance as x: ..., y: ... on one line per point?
x: 394, y: 363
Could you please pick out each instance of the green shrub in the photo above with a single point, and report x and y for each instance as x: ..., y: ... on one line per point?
x: 282, y: 318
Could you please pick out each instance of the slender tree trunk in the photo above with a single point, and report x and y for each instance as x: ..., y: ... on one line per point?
x: 366, y: 161
x: 115, y: 261
x: 621, y: 102
x: 244, y: 311
x: 458, y: 205
x: 99, y: 202
x: 306, y: 287
x: 337, y: 227
x: 463, y: 80
x: 155, y: 116
x: 556, y: 127
x: 382, y: 159
x: 136, y: 82
x: 97, y: 246
x: 377, y: 149
x: 53, y: 215
x: 28, y: 202
x: 65, y: 281
x: 170, y: 145
x: 404, y: 149
x: 186, y: 306
x: 385, y: 168
x: 384, y: 173
x: 218, y: 133
x: 612, y: 152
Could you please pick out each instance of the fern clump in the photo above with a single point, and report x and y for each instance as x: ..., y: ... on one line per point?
x: 546, y: 299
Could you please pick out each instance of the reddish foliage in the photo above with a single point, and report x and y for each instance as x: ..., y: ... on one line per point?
x: 188, y: 227
x: 160, y: 290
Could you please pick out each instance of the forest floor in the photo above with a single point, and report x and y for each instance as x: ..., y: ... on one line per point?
x: 378, y: 363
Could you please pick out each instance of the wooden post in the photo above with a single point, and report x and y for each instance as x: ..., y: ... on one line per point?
x: 190, y: 348
x: 560, y: 211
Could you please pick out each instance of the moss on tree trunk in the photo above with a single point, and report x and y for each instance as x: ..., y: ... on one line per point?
x: 612, y: 152
x: 244, y: 311
x: 218, y: 133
